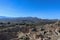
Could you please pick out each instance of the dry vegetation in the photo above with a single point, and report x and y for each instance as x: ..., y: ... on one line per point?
x: 30, y: 31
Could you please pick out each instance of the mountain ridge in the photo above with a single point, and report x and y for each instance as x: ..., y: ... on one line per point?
x: 19, y: 19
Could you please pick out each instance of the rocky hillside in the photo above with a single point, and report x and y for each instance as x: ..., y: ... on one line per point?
x: 37, y: 29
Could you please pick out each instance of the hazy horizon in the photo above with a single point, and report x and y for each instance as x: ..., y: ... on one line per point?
x: 45, y: 9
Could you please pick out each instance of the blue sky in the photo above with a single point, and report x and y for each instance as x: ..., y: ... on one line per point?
x: 49, y: 9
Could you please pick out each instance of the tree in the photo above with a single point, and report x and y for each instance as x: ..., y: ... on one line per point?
x: 8, y: 23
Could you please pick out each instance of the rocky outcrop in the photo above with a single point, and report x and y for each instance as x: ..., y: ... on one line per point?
x: 38, y: 32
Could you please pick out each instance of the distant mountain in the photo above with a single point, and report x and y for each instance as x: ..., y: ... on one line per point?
x: 25, y: 19
x: 2, y: 17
